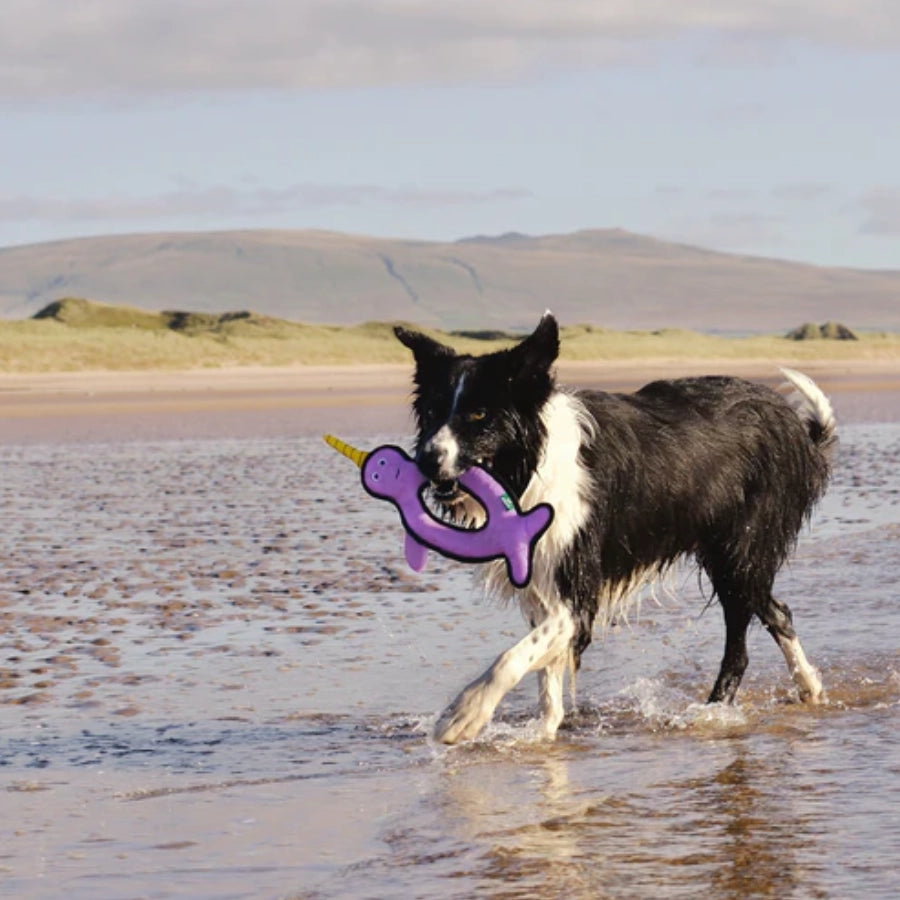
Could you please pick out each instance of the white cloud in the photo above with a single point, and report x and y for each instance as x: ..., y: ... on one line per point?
x: 220, y: 200
x: 740, y: 231
x: 803, y: 191
x: 731, y: 195
x: 117, y: 47
x: 881, y: 207
x: 747, y: 226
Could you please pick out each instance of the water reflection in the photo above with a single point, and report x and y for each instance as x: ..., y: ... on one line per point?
x: 519, y: 808
x: 748, y: 823
x: 577, y: 820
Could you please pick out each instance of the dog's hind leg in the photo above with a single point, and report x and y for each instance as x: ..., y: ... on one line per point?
x: 544, y: 646
x: 735, y: 659
x: 551, y: 681
x: 776, y: 616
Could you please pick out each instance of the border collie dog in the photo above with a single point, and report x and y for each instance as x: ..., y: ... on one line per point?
x: 714, y: 468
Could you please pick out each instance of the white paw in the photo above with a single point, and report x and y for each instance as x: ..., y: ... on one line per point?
x: 549, y: 727
x: 465, y: 718
x: 813, y: 697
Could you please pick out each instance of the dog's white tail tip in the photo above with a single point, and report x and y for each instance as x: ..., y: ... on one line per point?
x: 810, y: 402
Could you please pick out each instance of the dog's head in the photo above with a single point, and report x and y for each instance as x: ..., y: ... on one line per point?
x: 481, y: 410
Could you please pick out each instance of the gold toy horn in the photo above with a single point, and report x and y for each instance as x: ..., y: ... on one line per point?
x: 358, y: 456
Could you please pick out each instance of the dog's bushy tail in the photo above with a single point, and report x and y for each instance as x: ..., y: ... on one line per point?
x: 814, y: 408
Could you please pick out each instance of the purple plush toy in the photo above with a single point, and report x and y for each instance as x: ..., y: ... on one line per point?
x: 390, y: 474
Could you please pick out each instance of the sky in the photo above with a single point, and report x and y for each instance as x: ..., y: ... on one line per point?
x: 763, y: 127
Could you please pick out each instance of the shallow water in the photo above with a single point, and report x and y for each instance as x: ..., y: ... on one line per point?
x: 218, y: 678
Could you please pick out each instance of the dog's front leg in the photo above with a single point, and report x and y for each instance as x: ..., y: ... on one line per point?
x: 544, y: 646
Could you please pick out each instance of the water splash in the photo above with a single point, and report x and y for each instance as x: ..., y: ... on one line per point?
x: 664, y: 708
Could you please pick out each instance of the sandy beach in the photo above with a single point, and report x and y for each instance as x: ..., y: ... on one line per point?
x: 90, y: 405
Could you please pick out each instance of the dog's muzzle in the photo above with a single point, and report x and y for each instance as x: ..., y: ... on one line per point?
x: 442, y: 462
x: 432, y: 464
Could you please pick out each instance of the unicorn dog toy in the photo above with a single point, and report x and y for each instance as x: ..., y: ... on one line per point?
x: 390, y: 474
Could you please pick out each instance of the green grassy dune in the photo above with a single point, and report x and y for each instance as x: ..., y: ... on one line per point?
x: 78, y: 335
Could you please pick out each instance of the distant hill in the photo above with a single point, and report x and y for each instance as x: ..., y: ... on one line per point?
x: 610, y: 278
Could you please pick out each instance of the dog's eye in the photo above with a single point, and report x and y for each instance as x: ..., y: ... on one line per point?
x: 477, y: 415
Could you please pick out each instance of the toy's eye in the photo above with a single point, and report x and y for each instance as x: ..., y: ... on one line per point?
x: 382, y: 462
x: 477, y: 415
x: 375, y: 476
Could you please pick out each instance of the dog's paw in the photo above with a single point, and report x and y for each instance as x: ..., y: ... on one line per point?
x: 467, y: 716
x: 813, y: 697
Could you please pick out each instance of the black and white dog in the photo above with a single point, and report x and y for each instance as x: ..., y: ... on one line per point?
x: 716, y: 468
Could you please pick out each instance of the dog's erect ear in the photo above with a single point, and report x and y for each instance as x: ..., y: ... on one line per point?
x: 539, y: 350
x: 423, y: 347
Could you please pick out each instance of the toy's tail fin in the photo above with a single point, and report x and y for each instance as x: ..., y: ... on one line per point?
x: 520, y: 556
x: 358, y: 456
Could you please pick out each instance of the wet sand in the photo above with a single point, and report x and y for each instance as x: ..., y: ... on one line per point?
x: 218, y: 676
